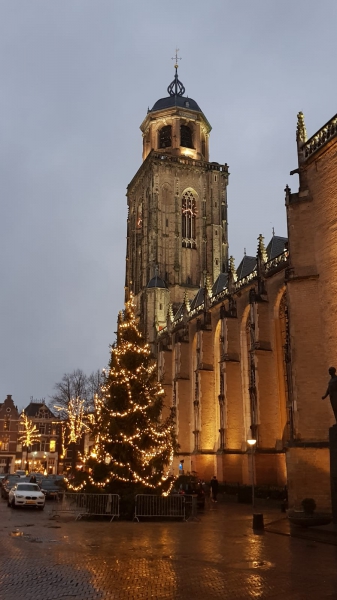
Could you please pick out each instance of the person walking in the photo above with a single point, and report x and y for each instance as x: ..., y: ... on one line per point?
x: 214, y: 487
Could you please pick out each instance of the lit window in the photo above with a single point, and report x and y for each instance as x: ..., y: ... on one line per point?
x: 52, y: 445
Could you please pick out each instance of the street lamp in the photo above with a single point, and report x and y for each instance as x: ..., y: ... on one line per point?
x: 252, y: 443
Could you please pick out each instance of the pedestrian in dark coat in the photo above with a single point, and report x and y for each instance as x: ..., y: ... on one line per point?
x: 214, y: 487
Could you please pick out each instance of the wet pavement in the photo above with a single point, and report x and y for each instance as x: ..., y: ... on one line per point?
x: 217, y: 557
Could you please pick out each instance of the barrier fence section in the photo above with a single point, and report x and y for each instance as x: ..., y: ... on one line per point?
x: 81, y: 505
x: 148, y: 506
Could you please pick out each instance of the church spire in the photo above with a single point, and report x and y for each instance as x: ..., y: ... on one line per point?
x: 176, y: 88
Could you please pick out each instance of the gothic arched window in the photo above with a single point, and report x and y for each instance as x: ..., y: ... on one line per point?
x: 186, y: 136
x: 188, y: 220
x: 165, y: 137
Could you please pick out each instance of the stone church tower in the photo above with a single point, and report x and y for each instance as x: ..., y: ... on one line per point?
x: 177, y: 211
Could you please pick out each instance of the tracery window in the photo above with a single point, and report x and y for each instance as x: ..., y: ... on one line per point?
x: 285, y: 337
x: 139, y: 216
x: 188, y: 220
x: 165, y: 137
x: 186, y: 139
x: 251, y: 344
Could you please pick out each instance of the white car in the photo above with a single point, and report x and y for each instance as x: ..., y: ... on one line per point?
x: 20, y: 473
x: 26, y: 494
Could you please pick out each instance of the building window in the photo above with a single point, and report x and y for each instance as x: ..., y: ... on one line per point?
x: 165, y: 137
x: 188, y: 220
x: 45, y: 446
x: 7, y: 424
x: 186, y: 136
x: 52, y: 445
x: 5, y: 444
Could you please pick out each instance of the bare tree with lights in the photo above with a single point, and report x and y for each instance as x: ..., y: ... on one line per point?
x: 29, y: 435
x: 134, y: 444
x: 76, y: 385
x: 76, y: 422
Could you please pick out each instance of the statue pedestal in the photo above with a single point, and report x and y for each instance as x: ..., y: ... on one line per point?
x: 333, y: 470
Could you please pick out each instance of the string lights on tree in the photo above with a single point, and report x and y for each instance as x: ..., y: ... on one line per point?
x: 76, y: 424
x: 29, y: 435
x: 134, y: 444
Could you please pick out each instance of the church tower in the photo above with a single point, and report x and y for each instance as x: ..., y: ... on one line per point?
x: 177, y: 211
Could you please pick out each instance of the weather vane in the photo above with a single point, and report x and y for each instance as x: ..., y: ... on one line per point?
x: 176, y: 88
x: 176, y: 58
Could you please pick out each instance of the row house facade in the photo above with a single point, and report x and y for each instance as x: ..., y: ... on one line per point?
x: 9, y: 428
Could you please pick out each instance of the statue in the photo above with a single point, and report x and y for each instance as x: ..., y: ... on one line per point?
x: 332, y: 390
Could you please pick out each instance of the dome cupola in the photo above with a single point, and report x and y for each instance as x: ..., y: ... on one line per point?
x: 176, y: 125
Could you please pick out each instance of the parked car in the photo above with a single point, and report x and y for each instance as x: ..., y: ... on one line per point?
x: 51, y: 488
x: 20, y: 473
x: 7, y: 483
x: 38, y: 477
x: 26, y: 494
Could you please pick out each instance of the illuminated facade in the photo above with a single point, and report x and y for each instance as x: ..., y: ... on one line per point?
x: 177, y: 217
x: 243, y: 353
x: 9, y: 424
x: 43, y: 455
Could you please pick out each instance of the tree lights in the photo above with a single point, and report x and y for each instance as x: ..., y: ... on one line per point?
x: 76, y: 424
x: 29, y: 435
x: 133, y: 445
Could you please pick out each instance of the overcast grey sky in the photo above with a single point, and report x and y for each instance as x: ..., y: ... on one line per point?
x: 77, y: 77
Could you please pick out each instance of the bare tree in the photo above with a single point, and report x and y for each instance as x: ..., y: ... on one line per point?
x: 76, y: 385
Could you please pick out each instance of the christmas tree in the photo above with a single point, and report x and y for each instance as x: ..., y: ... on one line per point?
x: 134, y: 445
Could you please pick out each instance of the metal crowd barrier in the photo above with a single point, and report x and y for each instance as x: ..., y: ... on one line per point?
x: 148, y: 506
x: 81, y: 505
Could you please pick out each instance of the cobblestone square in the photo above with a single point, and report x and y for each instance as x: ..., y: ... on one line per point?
x: 217, y: 557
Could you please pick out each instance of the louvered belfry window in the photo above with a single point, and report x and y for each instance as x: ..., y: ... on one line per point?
x: 165, y: 137
x: 188, y: 220
x: 186, y: 136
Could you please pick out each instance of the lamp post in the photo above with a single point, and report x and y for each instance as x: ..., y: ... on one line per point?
x: 252, y: 443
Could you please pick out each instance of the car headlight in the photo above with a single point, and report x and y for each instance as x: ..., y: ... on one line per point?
x: 41, y: 496
x: 18, y: 496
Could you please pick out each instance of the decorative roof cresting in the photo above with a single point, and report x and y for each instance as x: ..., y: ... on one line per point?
x: 176, y: 88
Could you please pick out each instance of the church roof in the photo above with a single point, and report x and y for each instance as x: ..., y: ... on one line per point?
x: 176, y: 91
x: 276, y: 246
x: 220, y: 284
x: 246, y: 266
x: 198, y: 299
x: 179, y: 313
x: 156, y: 282
x: 171, y: 101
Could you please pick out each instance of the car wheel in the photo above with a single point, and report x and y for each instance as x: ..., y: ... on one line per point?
x: 41, y: 507
x: 13, y: 505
